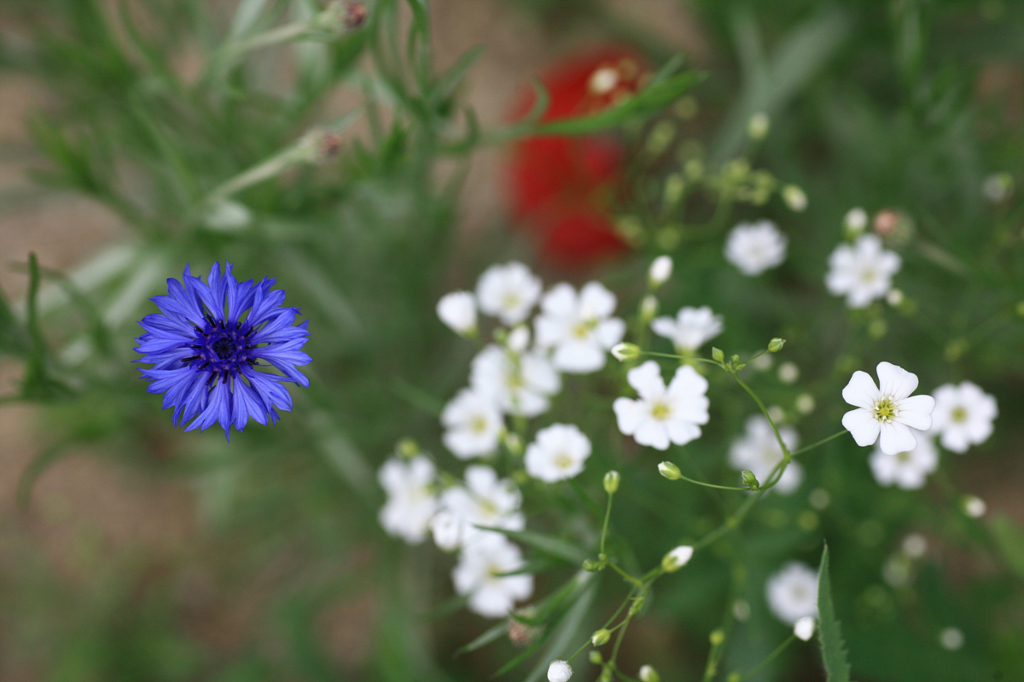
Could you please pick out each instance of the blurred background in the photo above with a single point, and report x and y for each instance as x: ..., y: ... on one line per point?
x: 132, y: 551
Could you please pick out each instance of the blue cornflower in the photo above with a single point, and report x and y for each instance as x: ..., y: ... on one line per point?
x: 208, y: 342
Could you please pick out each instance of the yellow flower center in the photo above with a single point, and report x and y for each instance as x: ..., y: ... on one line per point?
x: 661, y: 410
x: 959, y: 415
x: 563, y: 461
x: 478, y: 424
x: 885, y: 410
x: 903, y: 457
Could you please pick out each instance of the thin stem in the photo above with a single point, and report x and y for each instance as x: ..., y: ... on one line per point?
x: 820, y: 442
x: 628, y: 577
x: 778, y: 650
x: 711, y: 485
x: 607, y: 516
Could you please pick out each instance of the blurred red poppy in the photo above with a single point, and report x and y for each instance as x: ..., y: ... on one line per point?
x: 563, y: 187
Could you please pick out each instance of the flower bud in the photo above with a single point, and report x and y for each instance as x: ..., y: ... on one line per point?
x: 670, y: 471
x: 648, y: 308
x: 559, y: 671
x: 649, y: 674
x: 407, y: 448
x: 591, y: 565
x: 717, y: 355
x: 606, y: 675
x: 795, y: 198
x: 716, y: 637
x: 804, y: 403
x: 677, y: 558
x: 518, y: 339
x: 513, y: 443
x: 600, y: 637
x: 758, y: 125
x: 804, y: 628
x: 458, y: 312
x: 611, y: 482
x: 997, y: 187
x: 894, y: 297
x: 749, y: 480
x: 638, y: 603
x: 973, y: 506
x: 625, y: 351
x: 776, y: 344
x: 855, y: 222
x: 659, y: 272
x: 595, y: 657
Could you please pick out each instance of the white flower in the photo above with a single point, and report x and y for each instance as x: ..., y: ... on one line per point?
x: 473, y: 424
x: 804, y: 628
x: 758, y: 451
x: 478, y: 575
x: 963, y: 415
x: 579, y: 328
x: 997, y: 187
x: 792, y: 592
x: 446, y: 528
x: 557, y: 453
x: 559, y: 671
x: 974, y: 506
x: 663, y: 415
x: 951, y: 639
x: 756, y: 247
x: 862, y: 272
x: 907, y: 469
x: 795, y: 198
x: 411, y: 502
x: 659, y: 272
x: 485, y: 500
x: 519, y: 384
x: 508, y: 292
x: 691, y: 328
x: 458, y: 311
x: 886, y: 413
x: 677, y: 558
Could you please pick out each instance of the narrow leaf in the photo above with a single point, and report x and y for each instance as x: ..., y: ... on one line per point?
x: 1010, y: 539
x: 486, y: 638
x: 833, y: 649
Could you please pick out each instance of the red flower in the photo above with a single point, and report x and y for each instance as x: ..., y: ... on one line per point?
x: 563, y: 187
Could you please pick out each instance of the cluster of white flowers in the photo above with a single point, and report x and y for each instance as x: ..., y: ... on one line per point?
x: 792, y: 592
x: 756, y: 247
x: 758, y: 451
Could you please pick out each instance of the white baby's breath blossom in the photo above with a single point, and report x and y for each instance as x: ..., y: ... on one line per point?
x: 659, y: 272
x: 907, y: 470
x: 691, y: 328
x: 963, y: 415
x: 792, y: 592
x: 485, y: 500
x: 647, y: 673
x: 862, y: 271
x: 458, y: 312
x: 663, y: 415
x: 446, y: 528
x: 804, y: 628
x: 519, y: 384
x: 756, y: 247
x: 559, y: 671
x: 518, y: 340
x: 997, y: 187
x: 508, y: 292
x: 411, y: 501
x: 788, y: 372
x: 478, y: 574
x: 625, y: 351
x: 472, y: 423
x: 973, y: 506
x: 557, y: 453
x: 758, y: 451
x: 951, y: 639
x: 579, y: 327
x: 887, y: 412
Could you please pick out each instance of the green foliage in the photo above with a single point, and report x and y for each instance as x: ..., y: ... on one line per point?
x: 833, y: 649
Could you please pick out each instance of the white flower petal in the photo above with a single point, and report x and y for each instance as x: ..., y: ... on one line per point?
x: 916, y: 411
x: 896, y: 438
x: 895, y: 381
x: 862, y: 426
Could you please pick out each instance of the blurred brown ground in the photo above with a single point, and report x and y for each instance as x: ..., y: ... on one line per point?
x: 85, y: 509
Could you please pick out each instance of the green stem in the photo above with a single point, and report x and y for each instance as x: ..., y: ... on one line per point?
x: 778, y: 650
x: 820, y: 442
x: 710, y: 485
x: 607, y: 516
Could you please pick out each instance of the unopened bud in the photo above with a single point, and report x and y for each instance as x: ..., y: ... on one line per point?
x: 973, y: 506
x: 625, y: 351
x: 776, y: 344
x: 605, y: 676
x: 591, y: 565
x: 600, y: 637
x: 855, y: 222
x: 717, y: 355
x: 804, y: 628
x: 648, y: 308
x: 518, y: 339
x: 513, y: 443
x: 637, y: 604
x: 559, y: 671
x: 595, y: 657
x: 758, y: 126
x: 659, y: 272
x: 749, y: 480
x: 670, y: 471
x: 716, y: 637
x: 611, y: 482
x: 795, y: 198
x: 677, y: 558
x: 648, y: 674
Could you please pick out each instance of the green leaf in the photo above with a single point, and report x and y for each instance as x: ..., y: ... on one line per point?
x: 571, y: 553
x: 833, y: 649
x: 486, y: 638
x: 12, y: 337
x: 1010, y: 541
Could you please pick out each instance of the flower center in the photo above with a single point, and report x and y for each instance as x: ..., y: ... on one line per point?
x: 903, y: 457
x: 478, y: 424
x: 868, y: 275
x: 959, y: 415
x: 563, y: 461
x: 885, y: 410
x: 510, y: 301
x: 661, y: 410
x: 221, y: 348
